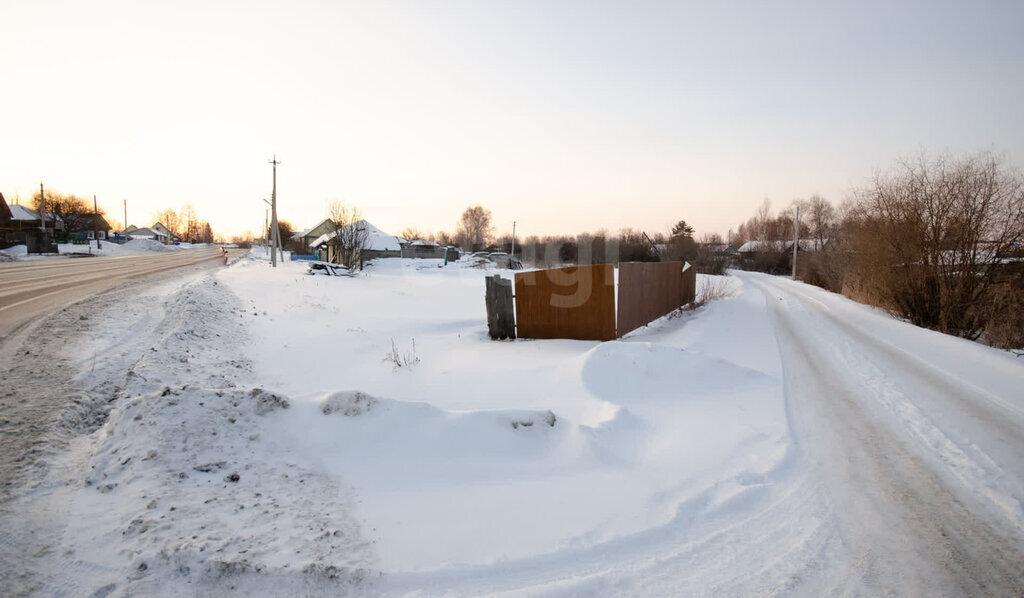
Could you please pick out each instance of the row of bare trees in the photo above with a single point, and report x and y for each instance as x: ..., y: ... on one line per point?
x: 939, y: 242
x: 74, y: 211
x: 187, y: 224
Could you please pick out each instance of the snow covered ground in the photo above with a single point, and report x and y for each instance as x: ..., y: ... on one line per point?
x: 135, y: 246
x: 273, y: 433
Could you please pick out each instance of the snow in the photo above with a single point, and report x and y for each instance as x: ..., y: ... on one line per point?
x: 629, y: 421
x: 275, y: 432
x: 135, y: 246
x: 376, y: 239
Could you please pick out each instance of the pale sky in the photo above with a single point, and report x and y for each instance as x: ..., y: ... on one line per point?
x: 565, y: 116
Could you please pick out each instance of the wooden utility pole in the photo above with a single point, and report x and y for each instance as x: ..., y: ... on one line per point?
x: 42, y: 209
x: 513, y: 256
x: 796, y: 239
x: 124, y: 229
x: 275, y: 233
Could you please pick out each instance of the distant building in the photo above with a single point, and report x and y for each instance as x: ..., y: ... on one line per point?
x: 17, y: 222
x: 377, y: 243
x: 91, y: 226
x: 303, y: 240
x: 166, y: 232
x: 422, y: 249
x: 775, y: 257
x: 148, y: 233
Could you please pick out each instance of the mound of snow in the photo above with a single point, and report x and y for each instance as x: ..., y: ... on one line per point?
x: 143, y: 245
x: 348, y: 402
x: 14, y: 252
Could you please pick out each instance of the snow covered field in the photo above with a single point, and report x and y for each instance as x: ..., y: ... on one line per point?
x: 273, y: 433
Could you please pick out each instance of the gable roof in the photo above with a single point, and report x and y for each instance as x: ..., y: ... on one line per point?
x: 146, y: 232
x: 91, y: 222
x: 376, y: 239
x: 761, y: 246
x: 5, y: 212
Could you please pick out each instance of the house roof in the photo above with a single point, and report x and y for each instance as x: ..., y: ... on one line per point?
x: 91, y: 222
x: 146, y: 232
x: 23, y: 213
x: 5, y: 212
x: 759, y: 246
x: 376, y: 239
x: 321, y: 228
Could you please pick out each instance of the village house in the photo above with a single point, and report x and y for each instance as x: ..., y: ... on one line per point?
x: 91, y: 226
x: 775, y: 257
x: 17, y: 223
x: 303, y: 240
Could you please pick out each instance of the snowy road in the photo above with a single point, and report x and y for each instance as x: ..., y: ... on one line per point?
x: 30, y: 288
x: 912, y: 441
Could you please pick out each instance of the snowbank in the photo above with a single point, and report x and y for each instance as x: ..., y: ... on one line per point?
x: 461, y: 427
x: 134, y: 246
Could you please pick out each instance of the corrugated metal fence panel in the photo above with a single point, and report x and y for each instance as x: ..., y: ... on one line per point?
x: 649, y: 290
x: 576, y: 302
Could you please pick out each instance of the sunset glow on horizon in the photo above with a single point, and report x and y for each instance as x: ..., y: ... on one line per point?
x: 562, y: 116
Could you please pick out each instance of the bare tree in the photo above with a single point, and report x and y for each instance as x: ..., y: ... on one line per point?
x: 821, y: 219
x: 445, y: 238
x: 930, y: 237
x: 350, y: 235
x: 474, y: 228
x: 414, y: 234
x: 189, y: 222
x: 762, y: 220
x: 72, y: 210
x: 172, y: 220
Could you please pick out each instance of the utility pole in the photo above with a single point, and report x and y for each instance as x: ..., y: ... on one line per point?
x: 513, y: 241
x: 124, y: 229
x: 42, y: 209
x: 796, y: 238
x: 275, y: 233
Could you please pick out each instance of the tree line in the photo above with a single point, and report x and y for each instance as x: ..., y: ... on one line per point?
x: 186, y: 224
x: 74, y: 211
x: 936, y: 241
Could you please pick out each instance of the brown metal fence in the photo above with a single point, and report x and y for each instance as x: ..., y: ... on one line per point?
x: 650, y: 290
x: 576, y: 302
x: 579, y: 302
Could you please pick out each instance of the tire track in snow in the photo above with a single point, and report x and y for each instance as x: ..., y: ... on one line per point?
x: 976, y: 434
x: 903, y: 530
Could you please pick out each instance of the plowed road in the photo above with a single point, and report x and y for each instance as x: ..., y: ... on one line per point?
x: 30, y: 288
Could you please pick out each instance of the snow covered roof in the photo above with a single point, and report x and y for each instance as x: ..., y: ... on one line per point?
x: 376, y: 239
x: 23, y: 213
x: 757, y: 246
x: 146, y: 232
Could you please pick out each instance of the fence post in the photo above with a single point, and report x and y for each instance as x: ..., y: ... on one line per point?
x: 501, y: 319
